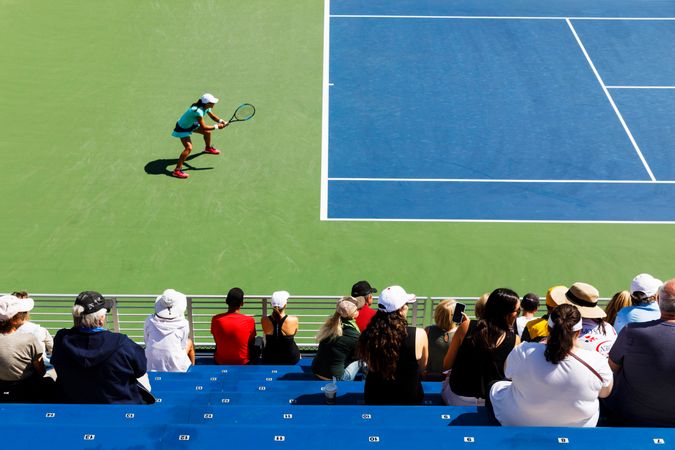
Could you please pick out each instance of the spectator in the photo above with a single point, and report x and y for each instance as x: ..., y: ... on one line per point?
x: 536, y: 330
x: 280, y: 330
x: 556, y: 384
x: 394, y: 353
x: 529, y: 306
x: 439, y: 335
x: 45, y: 339
x: 168, y: 347
x: 596, y: 334
x: 619, y: 300
x: 479, y: 307
x: 233, y: 332
x: 21, y: 365
x: 478, y: 350
x: 366, y: 313
x: 94, y: 365
x: 644, y: 295
x: 338, y: 338
x: 643, y: 362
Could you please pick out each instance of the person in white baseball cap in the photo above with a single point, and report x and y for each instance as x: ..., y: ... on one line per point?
x: 21, y: 364
x: 644, y: 293
x: 191, y: 121
x: 280, y: 330
x: 395, y: 353
x: 168, y: 347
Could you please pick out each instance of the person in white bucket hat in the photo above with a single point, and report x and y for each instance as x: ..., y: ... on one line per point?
x: 192, y: 121
x: 395, y: 353
x: 168, y: 346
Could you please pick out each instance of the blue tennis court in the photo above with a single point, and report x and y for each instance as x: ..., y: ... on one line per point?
x: 485, y: 111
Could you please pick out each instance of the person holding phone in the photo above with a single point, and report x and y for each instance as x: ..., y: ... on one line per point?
x: 479, y: 349
x: 447, y: 315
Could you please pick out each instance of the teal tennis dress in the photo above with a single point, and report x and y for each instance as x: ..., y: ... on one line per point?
x: 188, y: 121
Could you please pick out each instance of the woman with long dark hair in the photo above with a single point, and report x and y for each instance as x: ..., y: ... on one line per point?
x: 556, y: 384
x: 395, y: 353
x: 479, y: 348
x: 280, y: 330
x: 192, y: 121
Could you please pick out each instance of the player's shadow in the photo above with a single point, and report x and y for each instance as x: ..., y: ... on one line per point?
x: 165, y: 166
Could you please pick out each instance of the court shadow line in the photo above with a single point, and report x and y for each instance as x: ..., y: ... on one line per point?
x: 161, y: 166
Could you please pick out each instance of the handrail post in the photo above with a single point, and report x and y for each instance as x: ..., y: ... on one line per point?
x: 190, y: 320
x: 115, y: 315
x: 414, y: 314
x: 264, y: 307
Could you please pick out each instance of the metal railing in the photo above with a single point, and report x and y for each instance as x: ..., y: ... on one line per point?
x: 53, y: 311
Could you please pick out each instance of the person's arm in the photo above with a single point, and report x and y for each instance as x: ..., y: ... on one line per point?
x: 614, y: 366
x: 456, y: 342
x: 293, y: 325
x: 39, y: 366
x: 266, y: 325
x: 421, y: 349
x: 190, y: 349
x: 218, y: 119
x: 606, y: 390
x: 206, y: 127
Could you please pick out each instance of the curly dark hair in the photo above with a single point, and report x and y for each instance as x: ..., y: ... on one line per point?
x: 560, y: 340
x: 380, y: 343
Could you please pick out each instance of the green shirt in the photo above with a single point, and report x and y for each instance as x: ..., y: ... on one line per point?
x: 191, y: 116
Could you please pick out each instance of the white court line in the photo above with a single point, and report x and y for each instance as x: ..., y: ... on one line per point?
x: 483, y: 180
x: 391, y: 16
x: 628, y: 222
x: 640, y: 87
x: 323, y: 209
x: 611, y: 101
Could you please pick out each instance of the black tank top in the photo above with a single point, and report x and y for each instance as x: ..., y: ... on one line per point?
x: 475, y: 368
x: 280, y: 349
x: 406, y: 387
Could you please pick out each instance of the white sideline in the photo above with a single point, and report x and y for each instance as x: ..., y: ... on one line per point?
x: 395, y: 16
x: 323, y: 209
x: 488, y: 180
x: 640, y: 87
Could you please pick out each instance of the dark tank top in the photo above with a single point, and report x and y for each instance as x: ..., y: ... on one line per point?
x: 406, y: 387
x: 476, y: 368
x: 280, y: 349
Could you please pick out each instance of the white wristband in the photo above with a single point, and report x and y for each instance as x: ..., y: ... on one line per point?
x: 215, y: 127
x: 221, y: 121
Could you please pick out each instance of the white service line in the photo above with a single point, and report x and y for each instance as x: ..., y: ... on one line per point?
x: 630, y: 222
x: 640, y: 87
x: 323, y: 208
x: 487, y: 180
x: 611, y: 101
x: 394, y: 16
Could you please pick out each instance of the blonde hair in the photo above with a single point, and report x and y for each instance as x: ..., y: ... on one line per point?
x: 618, y: 301
x: 443, y: 314
x: 479, y: 308
x: 332, y: 327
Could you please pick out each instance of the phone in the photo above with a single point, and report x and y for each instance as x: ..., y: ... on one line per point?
x: 457, y: 316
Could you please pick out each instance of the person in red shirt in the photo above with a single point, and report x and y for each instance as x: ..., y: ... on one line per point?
x: 365, y: 290
x: 233, y: 332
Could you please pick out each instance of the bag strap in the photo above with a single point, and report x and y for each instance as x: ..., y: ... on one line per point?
x: 595, y: 372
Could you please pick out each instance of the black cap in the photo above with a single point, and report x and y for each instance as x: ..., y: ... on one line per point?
x: 362, y: 289
x: 93, y: 301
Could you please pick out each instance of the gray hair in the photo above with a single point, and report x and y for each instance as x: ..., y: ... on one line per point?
x: 93, y: 320
x: 667, y: 296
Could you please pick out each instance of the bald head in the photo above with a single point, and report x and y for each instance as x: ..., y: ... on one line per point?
x: 667, y: 297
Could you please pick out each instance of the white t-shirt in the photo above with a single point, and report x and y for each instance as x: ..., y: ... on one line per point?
x: 591, y: 337
x: 542, y: 394
x: 45, y: 339
x: 166, y: 344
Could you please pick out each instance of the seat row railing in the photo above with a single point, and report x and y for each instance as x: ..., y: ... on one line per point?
x: 53, y: 311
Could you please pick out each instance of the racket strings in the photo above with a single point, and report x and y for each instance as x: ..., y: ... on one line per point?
x: 244, y: 112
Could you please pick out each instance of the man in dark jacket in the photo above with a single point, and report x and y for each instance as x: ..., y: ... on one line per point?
x: 94, y: 365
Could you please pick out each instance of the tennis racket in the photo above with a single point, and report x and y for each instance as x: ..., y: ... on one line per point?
x: 243, y: 113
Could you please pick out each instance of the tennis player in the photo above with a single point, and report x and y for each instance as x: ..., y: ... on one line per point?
x: 193, y: 121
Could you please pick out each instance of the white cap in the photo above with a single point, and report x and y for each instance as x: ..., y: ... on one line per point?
x: 11, y: 305
x: 645, y: 283
x: 393, y: 298
x: 208, y: 98
x: 279, y: 299
x: 170, y: 305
